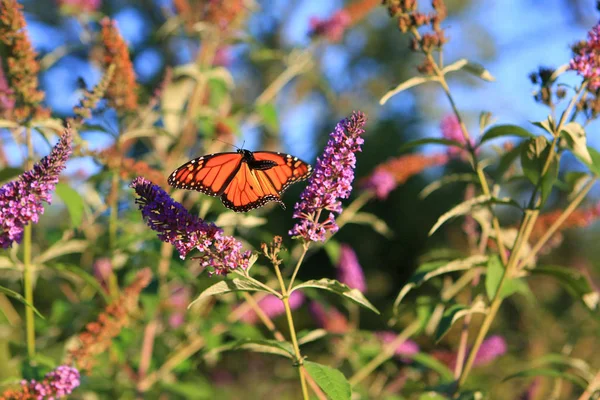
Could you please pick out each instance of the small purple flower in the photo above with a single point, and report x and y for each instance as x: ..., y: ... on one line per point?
x: 490, y: 349
x: 406, y: 348
x: 175, y: 225
x: 331, y: 181
x: 586, y: 58
x: 333, y: 28
x: 21, y: 200
x: 381, y: 182
x: 349, y: 270
x: 56, y: 384
x: 272, y: 306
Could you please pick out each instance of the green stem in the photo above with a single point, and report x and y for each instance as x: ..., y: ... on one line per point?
x: 305, y: 246
x: 387, y: 353
x: 27, y: 267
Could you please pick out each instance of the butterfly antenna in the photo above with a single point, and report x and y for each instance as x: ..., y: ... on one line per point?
x: 222, y: 141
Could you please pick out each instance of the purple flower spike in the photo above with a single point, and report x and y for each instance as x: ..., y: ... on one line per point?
x: 349, y: 270
x: 56, y: 384
x: 331, y: 181
x: 406, y: 348
x: 586, y: 58
x: 490, y: 349
x: 175, y: 225
x: 21, y: 200
x: 381, y: 183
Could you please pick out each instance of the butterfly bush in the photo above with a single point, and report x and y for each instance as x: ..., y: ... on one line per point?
x: 406, y: 348
x: 332, y: 28
x: 331, y: 181
x: 58, y: 383
x: 21, y: 200
x: 329, y: 318
x: 175, y: 225
x: 349, y: 270
x: 586, y: 58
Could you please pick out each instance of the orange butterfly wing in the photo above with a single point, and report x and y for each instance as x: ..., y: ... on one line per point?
x: 241, y: 187
x: 209, y: 174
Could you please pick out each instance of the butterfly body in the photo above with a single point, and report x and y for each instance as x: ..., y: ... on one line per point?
x: 243, y: 179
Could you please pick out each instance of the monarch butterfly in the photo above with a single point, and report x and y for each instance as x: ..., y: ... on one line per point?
x: 244, y: 179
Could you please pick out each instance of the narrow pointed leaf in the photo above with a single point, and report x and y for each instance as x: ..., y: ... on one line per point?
x: 228, y: 286
x: 575, y: 136
x: 20, y: 298
x: 339, y: 288
x: 73, y: 201
x: 258, y: 346
x: 505, y: 130
x: 576, y: 283
x: 417, y: 80
x: 553, y: 373
x: 455, y: 313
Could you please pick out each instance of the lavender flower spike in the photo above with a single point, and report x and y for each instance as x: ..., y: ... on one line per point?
x: 175, y: 225
x: 586, y: 58
x: 349, y: 270
x: 21, y: 200
x: 331, y: 181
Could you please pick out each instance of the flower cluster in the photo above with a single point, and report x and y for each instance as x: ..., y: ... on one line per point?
x: 99, y: 335
x: 586, y: 58
x: 122, y: 90
x: 175, y: 225
x: 56, y: 384
x: 329, y: 318
x: 349, y: 270
x: 396, y: 171
x: 272, y: 306
x: 22, y: 66
x: 451, y: 130
x: 331, y: 181
x: 21, y: 200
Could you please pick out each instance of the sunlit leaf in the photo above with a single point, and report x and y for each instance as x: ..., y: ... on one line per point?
x: 258, y: 346
x: 311, y: 336
x: 455, y: 313
x: 372, y: 220
x: 414, y: 81
x: 61, y: 248
x: 229, y: 286
x: 339, y: 288
x: 493, y: 276
x: 575, y: 136
x: 330, y: 380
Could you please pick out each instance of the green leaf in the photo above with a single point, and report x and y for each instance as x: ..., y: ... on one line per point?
x: 330, y: 380
x: 508, y: 158
x: 575, y: 136
x: 229, y: 286
x: 311, y: 336
x: 436, y: 268
x: 548, y: 125
x: 466, y: 206
x: 9, y: 173
x: 456, y: 312
x: 533, y: 160
x: 258, y: 346
x: 73, y: 201
x: 493, y: 276
x: 86, y: 277
x: 428, y: 361
x: 376, y: 223
x: 21, y: 299
x: 453, y: 178
x: 268, y: 114
x: 485, y: 118
x: 584, y: 369
x: 61, y: 248
x: 479, y: 71
x: 414, y: 81
x: 339, y: 288
x: 421, y: 142
x: 554, y: 373
x: 505, y: 130
x: 576, y: 283
x: 595, y: 165
x: 333, y: 250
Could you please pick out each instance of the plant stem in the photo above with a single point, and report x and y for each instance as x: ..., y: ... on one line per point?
x: 264, y: 318
x: 387, y: 353
x: 305, y: 246
x: 593, y: 387
x: 27, y: 267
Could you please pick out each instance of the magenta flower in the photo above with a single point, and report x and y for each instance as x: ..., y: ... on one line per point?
x: 586, y: 58
x: 331, y: 181
x: 272, y: 306
x: 406, y: 348
x: 328, y: 318
x: 490, y: 349
x: 451, y: 130
x: 56, y: 384
x: 21, y: 200
x: 175, y: 225
x: 381, y: 183
x: 332, y: 28
x: 349, y: 270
